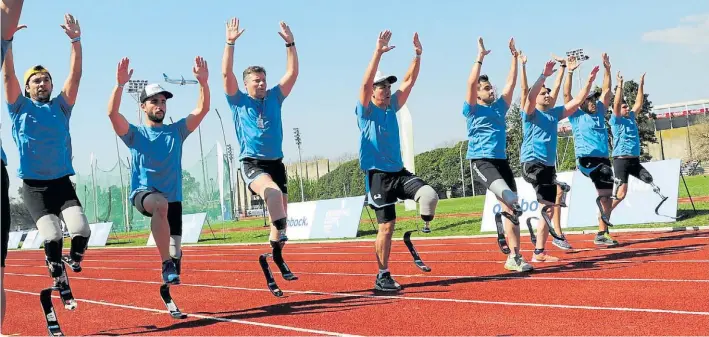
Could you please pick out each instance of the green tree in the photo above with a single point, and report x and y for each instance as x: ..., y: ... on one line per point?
x: 514, y: 138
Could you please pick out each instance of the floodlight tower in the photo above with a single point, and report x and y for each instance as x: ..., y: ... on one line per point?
x: 135, y: 87
x: 580, y: 57
x: 296, y: 133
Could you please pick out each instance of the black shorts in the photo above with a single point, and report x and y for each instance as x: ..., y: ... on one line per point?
x: 45, y: 197
x: 592, y: 167
x: 488, y: 170
x: 625, y: 167
x: 174, y: 211
x: 542, y: 178
x: 5, y: 212
x: 253, y: 168
x: 384, y: 188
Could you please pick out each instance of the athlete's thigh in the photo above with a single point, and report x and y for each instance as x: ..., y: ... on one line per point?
x: 621, y: 168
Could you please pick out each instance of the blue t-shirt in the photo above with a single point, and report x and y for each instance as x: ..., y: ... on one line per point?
x: 626, y: 138
x: 41, y: 133
x: 539, y: 135
x: 258, y: 124
x: 590, y: 133
x: 379, y: 144
x: 487, y: 136
x: 157, y: 158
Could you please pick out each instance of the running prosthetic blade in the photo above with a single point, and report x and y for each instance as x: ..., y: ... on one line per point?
x: 604, y: 218
x: 270, y: 280
x: 169, y: 303
x: 657, y: 210
x: 501, y: 241
x: 532, y: 236
x: 417, y: 259
x: 45, y: 298
x: 552, y: 231
x: 65, y: 292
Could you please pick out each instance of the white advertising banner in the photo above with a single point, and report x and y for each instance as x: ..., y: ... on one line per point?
x: 14, y: 240
x: 322, y: 219
x: 99, y: 233
x: 191, y: 228
x: 406, y: 138
x: 640, y: 201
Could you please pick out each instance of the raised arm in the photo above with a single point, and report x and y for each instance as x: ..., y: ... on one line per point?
x: 71, y: 85
x: 573, y: 63
x: 231, y: 86
x: 618, y: 101
x: 12, y: 85
x: 119, y: 123
x: 559, y: 77
x: 365, y: 92
x: 11, y: 10
x: 638, y: 107
x: 606, y: 90
x: 524, y: 86
x: 529, y: 105
x: 288, y: 80
x: 573, y: 105
x: 472, y: 95
x: 411, y: 75
x: 509, y: 88
x: 201, y: 73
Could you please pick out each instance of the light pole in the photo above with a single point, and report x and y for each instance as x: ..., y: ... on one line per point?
x: 296, y: 132
x: 229, y: 156
x: 135, y: 87
x: 580, y: 57
x: 462, y: 172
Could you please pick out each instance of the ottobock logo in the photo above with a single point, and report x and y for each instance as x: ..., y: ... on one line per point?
x: 297, y: 222
x: 531, y: 206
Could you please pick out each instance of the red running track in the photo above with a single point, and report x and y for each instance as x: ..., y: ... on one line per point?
x: 653, y: 284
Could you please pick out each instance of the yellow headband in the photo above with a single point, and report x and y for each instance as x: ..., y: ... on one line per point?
x: 38, y: 69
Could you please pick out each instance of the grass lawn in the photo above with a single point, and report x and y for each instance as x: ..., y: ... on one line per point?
x: 250, y: 230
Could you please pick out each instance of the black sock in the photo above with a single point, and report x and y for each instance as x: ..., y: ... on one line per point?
x: 601, y: 233
x: 538, y: 251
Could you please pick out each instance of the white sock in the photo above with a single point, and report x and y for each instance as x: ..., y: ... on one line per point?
x: 382, y: 271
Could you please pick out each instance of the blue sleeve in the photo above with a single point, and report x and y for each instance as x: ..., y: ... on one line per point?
x: 613, y: 119
x: 234, y: 100
x: 182, y: 128
x: 525, y: 117
x: 601, y: 108
x: 278, y: 93
x: 19, y: 104
x: 360, y: 110
x: 130, y: 136
x: 468, y: 109
x: 63, y: 105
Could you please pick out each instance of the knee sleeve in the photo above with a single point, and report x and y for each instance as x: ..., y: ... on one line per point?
x: 427, y: 198
x: 76, y: 221
x: 501, y: 190
x: 175, y: 246
x: 50, y: 228
x: 645, y: 176
x: 53, y: 254
x: 280, y: 224
x: 274, y: 202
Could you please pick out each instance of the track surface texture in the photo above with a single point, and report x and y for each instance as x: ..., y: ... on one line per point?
x: 651, y: 284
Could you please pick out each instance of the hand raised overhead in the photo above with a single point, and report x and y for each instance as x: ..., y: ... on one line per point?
x: 122, y: 73
x: 619, y: 77
x: 71, y: 26
x: 594, y: 71
x: 200, y: 71
x: 232, y: 30
x: 285, y: 33
x: 513, y: 49
x: 417, y: 44
x: 606, y: 61
x: 481, y: 48
x: 549, y: 68
x: 383, y: 42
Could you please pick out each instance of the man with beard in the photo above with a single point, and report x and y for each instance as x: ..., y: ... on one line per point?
x: 386, y: 179
x: 588, y: 124
x: 40, y: 126
x: 10, y: 11
x: 487, y: 145
x: 259, y: 130
x: 538, y: 153
x: 156, y: 150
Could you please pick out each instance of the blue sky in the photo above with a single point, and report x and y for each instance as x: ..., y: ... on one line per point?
x: 335, y: 41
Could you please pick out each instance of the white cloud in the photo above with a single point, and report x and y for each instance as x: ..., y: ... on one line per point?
x: 692, y: 31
